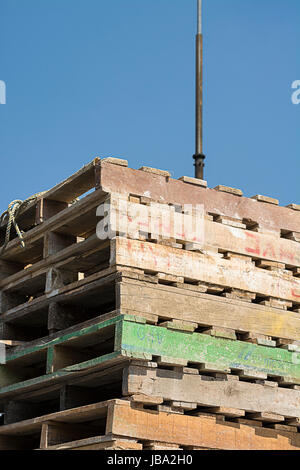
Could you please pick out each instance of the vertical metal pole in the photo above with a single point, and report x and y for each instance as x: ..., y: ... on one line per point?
x: 199, y: 157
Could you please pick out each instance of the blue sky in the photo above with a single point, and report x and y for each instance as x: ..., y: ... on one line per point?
x: 90, y: 78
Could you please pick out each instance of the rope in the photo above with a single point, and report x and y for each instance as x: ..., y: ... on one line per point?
x: 12, y: 213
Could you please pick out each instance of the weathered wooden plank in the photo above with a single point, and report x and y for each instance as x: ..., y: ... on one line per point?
x: 256, y: 245
x: 55, y: 242
x: 99, y: 331
x: 200, y: 431
x: 152, y: 445
x: 206, y: 268
x: 206, y: 391
x: 138, y: 298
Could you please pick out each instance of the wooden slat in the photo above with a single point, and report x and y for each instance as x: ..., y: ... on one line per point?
x: 70, y: 374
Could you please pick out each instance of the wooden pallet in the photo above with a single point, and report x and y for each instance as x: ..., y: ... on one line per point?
x: 205, y: 268
x: 272, y: 251
x: 117, y: 419
x: 139, y: 294
x: 224, y: 394
x: 214, y: 326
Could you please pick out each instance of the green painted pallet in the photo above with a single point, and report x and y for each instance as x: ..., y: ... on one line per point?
x: 123, y: 337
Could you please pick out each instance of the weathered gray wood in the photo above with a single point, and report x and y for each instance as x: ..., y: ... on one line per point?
x: 58, y: 278
x: 7, y: 268
x: 62, y: 317
x: 45, y: 209
x: 72, y: 291
x: 15, y: 411
x: 72, y: 396
x: 16, y: 443
x: 10, y: 300
x: 206, y: 391
x: 63, y: 356
x: 55, y: 242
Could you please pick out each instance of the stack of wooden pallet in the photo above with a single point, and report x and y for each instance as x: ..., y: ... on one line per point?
x: 146, y: 342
